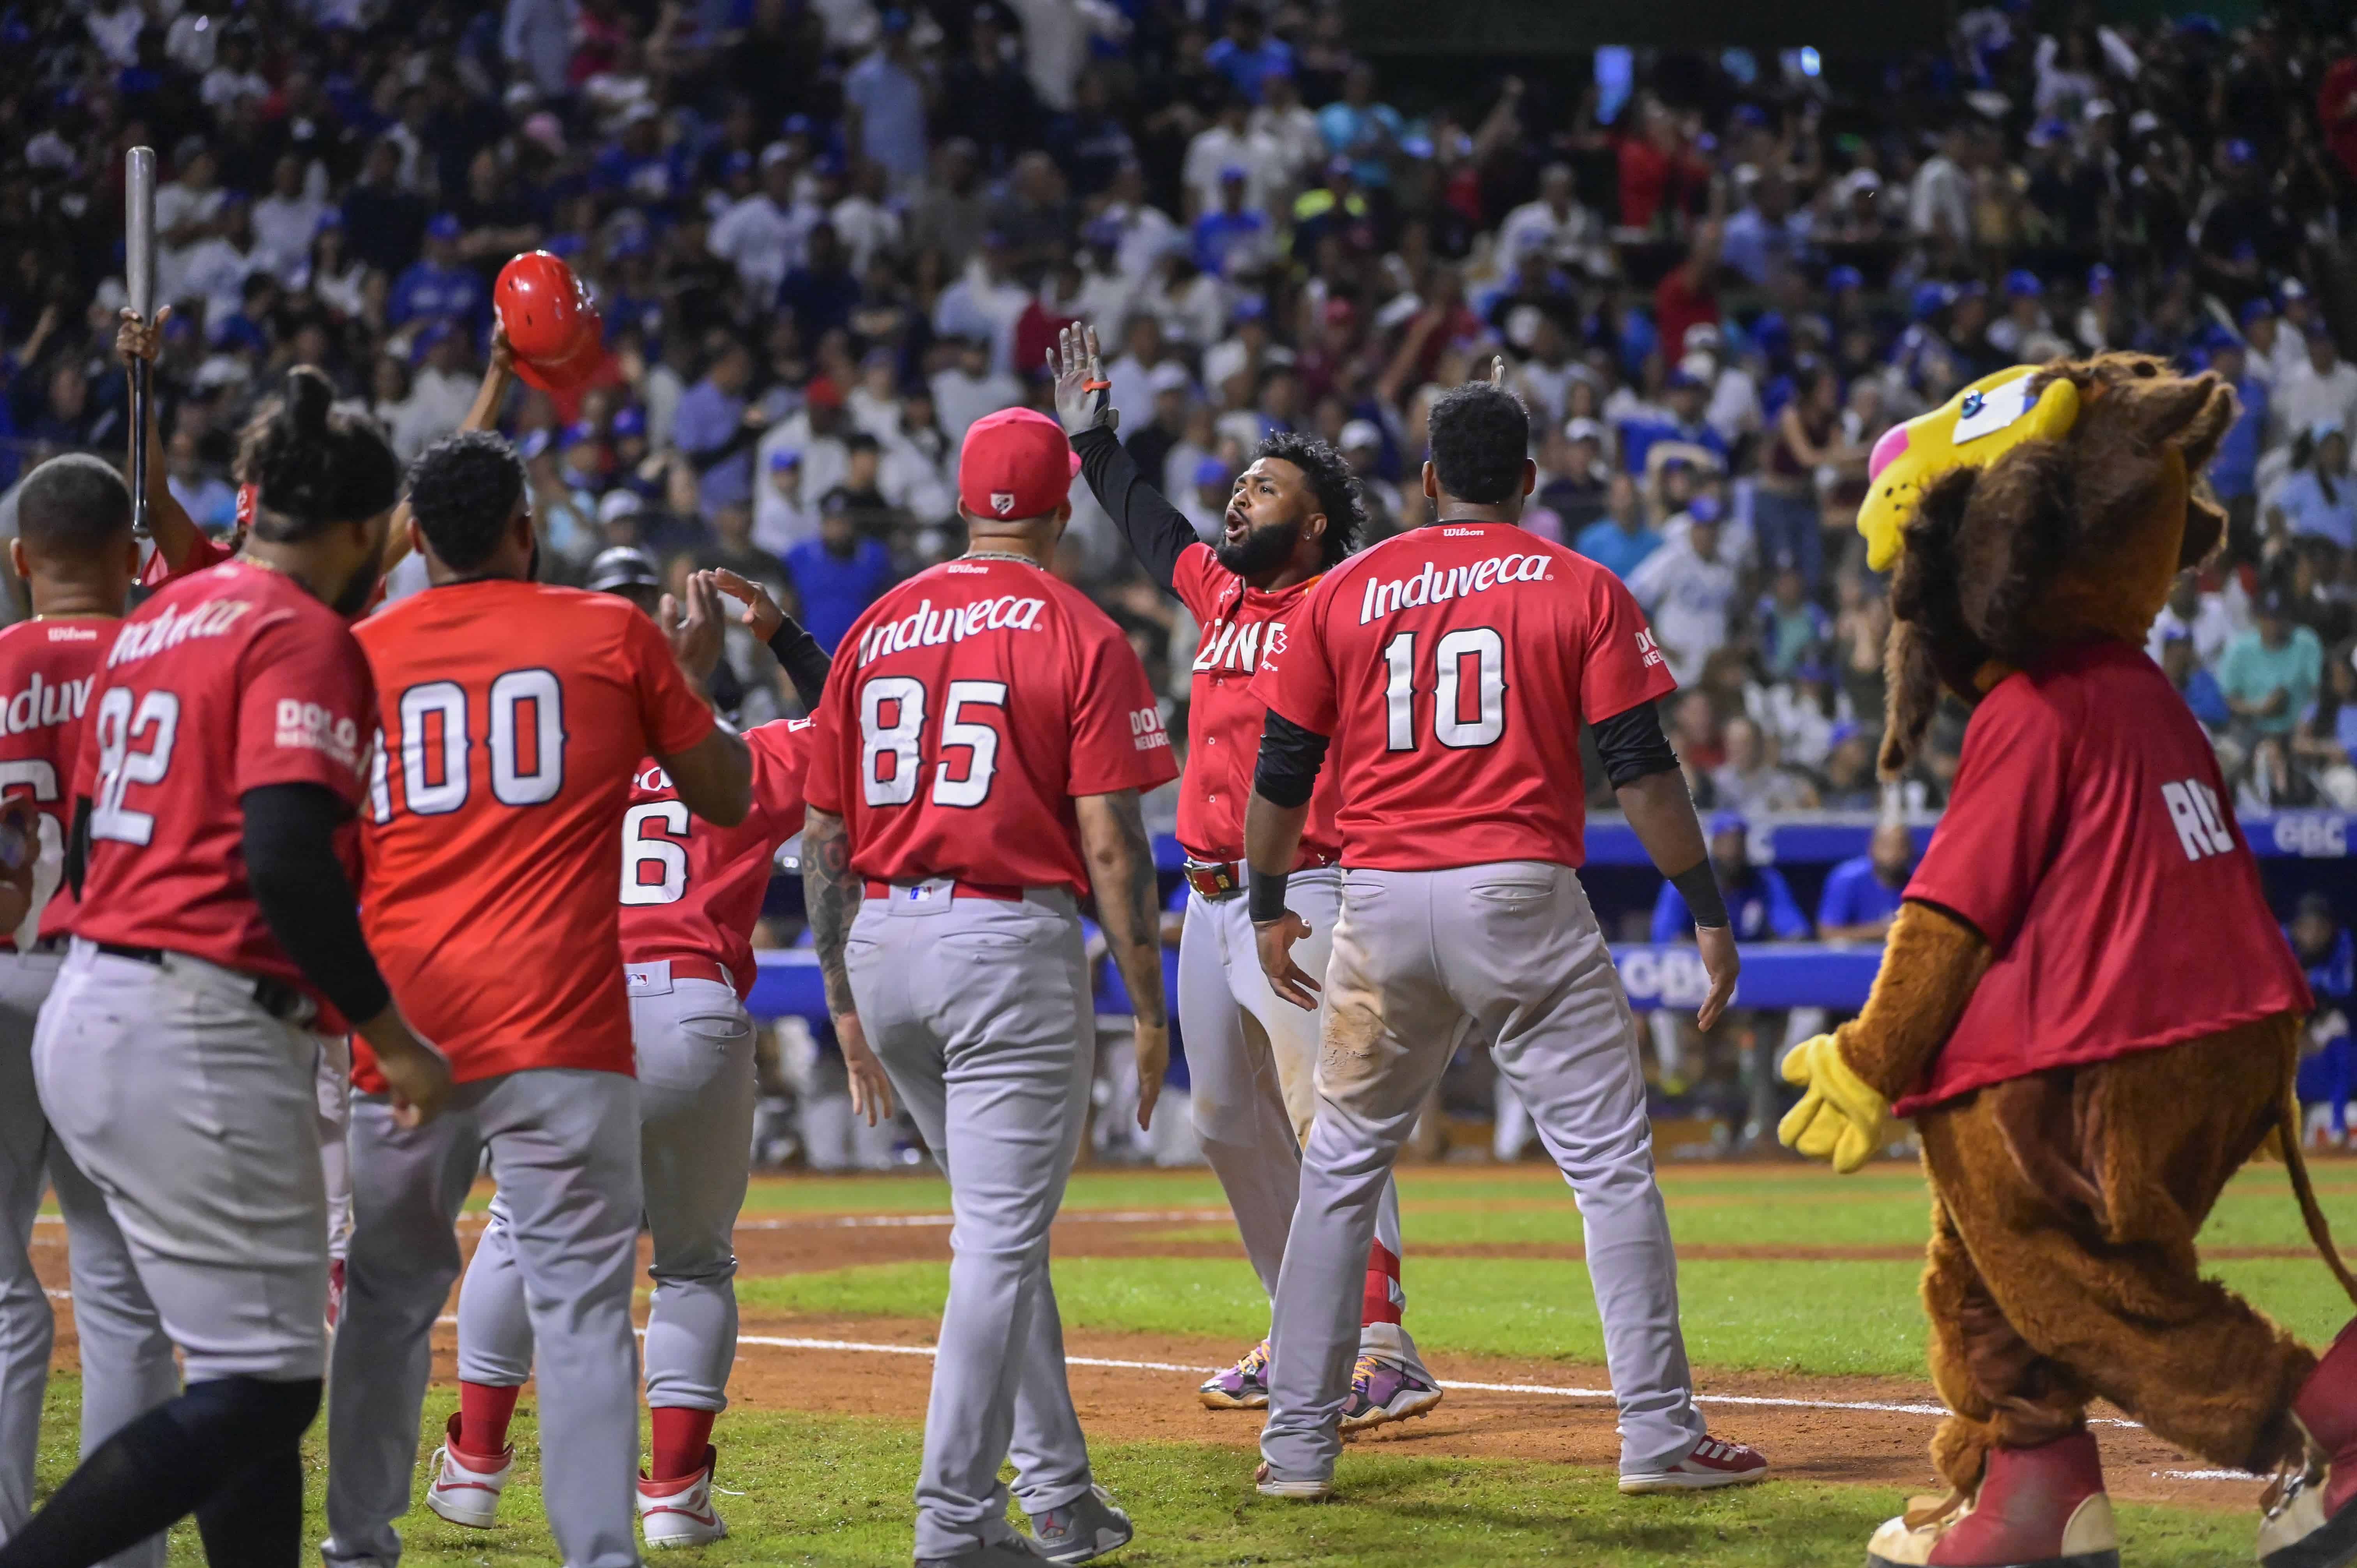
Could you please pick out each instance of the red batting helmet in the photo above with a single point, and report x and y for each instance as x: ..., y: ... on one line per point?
x: 551, y: 321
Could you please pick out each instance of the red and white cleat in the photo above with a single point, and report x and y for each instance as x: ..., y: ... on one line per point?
x: 1714, y: 1462
x: 465, y: 1488
x: 679, y: 1512
x: 2035, y: 1508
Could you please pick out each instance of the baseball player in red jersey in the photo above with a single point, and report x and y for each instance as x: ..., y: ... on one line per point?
x: 226, y: 746
x: 690, y: 896
x: 74, y: 549
x: 1252, y: 1059
x: 1450, y: 667
x: 515, y: 716
x: 976, y: 767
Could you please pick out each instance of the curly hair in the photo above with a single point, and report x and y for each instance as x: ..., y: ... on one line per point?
x: 1330, y: 478
x: 313, y: 463
x: 1480, y: 438
x: 462, y: 492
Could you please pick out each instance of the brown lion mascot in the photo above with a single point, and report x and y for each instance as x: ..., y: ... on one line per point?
x: 2086, y: 1003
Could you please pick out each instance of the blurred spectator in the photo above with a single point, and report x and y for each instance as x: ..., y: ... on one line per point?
x: 886, y: 99
x: 2319, y: 501
x: 1620, y: 540
x: 2271, y: 673
x: 1751, y: 781
x: 715, y: 429
x: 2193, y: 682
x: 1688, y: 590
x: 1863, y: 894
x: 2318, y: 389
x: 2328, y: 1067
x: 2202, y: 616
x: 837, y: 573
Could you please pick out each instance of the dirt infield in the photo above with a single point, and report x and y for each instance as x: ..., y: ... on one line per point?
x: 1867, y: 1430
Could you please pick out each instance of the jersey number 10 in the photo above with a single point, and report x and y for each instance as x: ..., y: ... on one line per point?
x: 1477, y: 646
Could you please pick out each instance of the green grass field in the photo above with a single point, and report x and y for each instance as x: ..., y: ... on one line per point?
x: 826, y: 1488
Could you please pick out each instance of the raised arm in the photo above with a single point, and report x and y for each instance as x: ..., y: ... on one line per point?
x: 714, y: 776
x: 481, y: 414
x: 174, y: 531
x: 1157, y: 533
x: 1121, y: 870
x: 805, y: 662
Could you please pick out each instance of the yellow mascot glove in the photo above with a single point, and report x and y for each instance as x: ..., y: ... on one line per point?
x: 1839, y: 1118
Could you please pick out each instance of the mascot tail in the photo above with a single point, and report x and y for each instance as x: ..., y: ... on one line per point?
x: 2296, y: 1163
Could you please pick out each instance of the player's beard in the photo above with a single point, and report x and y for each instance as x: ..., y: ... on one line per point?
x: 354, y: 597
x: 1261, y: 548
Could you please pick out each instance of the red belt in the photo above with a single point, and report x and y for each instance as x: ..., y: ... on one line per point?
x: 998, y: 891
x: 685, y: 968
x: 1213, y: 881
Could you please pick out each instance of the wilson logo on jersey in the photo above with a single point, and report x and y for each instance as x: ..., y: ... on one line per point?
x: 173, y: 627
x: 929, y: 627
x: 1429, y: 586
x: 1239, y: 647
x: 45, y: 702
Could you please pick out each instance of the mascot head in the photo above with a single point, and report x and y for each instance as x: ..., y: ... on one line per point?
x: 2041, y: 506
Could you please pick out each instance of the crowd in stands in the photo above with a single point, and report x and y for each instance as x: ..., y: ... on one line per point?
x: 826, y: 236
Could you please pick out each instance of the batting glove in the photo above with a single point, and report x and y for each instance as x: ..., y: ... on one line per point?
x: 1840, y: 1118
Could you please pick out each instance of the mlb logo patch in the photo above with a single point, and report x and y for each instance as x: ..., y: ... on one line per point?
x: 1003, y: 502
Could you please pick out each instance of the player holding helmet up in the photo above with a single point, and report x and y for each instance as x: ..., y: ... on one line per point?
x: 1252, y: 1059
x: 1449, y: 669
x: 976, y: 767
x: 690, y: 896
x: 228, y: 747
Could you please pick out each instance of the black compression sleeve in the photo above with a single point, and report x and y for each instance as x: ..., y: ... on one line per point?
x: 1632, y: 745
x: 1290, y: 757
x: 805, y: 662
x: 1156, y: 530
x: 299, y: 879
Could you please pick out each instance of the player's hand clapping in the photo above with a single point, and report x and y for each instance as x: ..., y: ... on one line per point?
x: 695, y: 629
x: 871, y: 1090
x: 1286, y: 978
x: 761, y: 615
x: 416, y: 1072
x: 1083, y: 399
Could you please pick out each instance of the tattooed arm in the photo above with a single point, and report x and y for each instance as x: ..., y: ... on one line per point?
x: 831, y: 893
x: 1120, y: 871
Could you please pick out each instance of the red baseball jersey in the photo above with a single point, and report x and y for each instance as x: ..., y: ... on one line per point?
x: 1225, y: 715
x: 966, y: 708
x: 203, y: 554
x: 47, y: 669
x: 690, y: 889
x: 1452, y: 665
x: 225, y: 680
x: 514, y: 715
x: 2090, y: 840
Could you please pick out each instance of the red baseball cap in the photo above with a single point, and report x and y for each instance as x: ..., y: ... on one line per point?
x: 1015, y: 463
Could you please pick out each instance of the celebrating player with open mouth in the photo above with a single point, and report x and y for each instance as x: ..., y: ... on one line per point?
x: 1449, y: 669
x: 1252, y: 1059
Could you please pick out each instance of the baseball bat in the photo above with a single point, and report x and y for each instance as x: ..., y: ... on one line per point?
x: 139, y: 279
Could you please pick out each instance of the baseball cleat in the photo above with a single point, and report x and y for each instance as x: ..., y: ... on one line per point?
x: 1086, y: 1528
x: 1298, y: 1491
x: 679, y: 1512
x: 1017, y: 1551
x: 466, y: 1486
x: 2311, y: 1515
x: 1244, y: 1386
x: 1712, y: 1464
x: 1383, y: 1391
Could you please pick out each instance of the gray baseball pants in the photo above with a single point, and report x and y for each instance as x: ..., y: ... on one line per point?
x: 981, y: 1014
x: 1420, y: 958
x: 564, y: 1145
x: 695, y: 1141
x: 1252, y: 1064
x: 127, y: 1359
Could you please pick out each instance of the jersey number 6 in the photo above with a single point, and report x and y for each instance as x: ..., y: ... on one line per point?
x: 892, y: 715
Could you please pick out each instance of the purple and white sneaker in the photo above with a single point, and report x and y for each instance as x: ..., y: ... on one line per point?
x: 1383, y: 1390
x: 1244, y: 1386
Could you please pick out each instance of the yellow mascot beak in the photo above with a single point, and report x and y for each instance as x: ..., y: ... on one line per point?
x: 1972, y: 429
